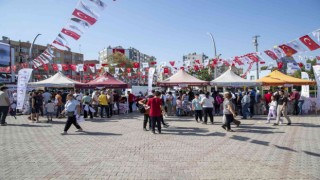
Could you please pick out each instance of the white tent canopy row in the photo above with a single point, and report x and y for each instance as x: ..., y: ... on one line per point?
x: 57, y: 80
x: 229, y: 78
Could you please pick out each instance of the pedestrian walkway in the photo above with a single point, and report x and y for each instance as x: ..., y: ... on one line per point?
x: 118, y: 148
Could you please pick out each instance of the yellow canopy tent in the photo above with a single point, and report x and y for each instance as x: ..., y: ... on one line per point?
x: 277, y: 78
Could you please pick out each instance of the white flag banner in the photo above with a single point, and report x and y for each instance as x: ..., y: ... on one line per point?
x: 305, y: 89
x: 145, y: 65
x: 316, y: 70
x: 92, y: 69
x: 296, y: 46
x: 143, y: 73
x: 116, y: 70
x: 279, y: 52
x: 98, y: 66
x: 59, y: 67
x: 206, y: 62
x: 135, y: 70
x: 23, y: 79
x: 106, y: 69
x: 129, y: 74
x: 122, y: 69
x: 187, y: 63
x: 80, y: 67
x: 114, y: 64
x: 150, y: 80
x: 316, y: 34
x: 308, y: 66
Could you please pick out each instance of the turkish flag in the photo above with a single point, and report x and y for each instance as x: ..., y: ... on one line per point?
x: 128, y: 70
x: 85, y: 67
x: 153, y: 62
x: 197, y: 61
x: 73, y: 67
x: 84, y: 16
x: 262, y: 62
x: 306, y: 40
x: 300, y: 64
x: 196, y: 67
x: 253, y: 57
x: 8, y: 69
x: 238, y: 61
x: 280, y: 64
x: 271, y: 54
x: 45, y: 67
x: 182, y: 67
x: 65, y: 67
x: 70, y: 33
x: 226, y: 63
x: 287, y: 49
x: 136, y: 65
x: 166, y: 70
x: 55, y: 67
x: 172, y: 63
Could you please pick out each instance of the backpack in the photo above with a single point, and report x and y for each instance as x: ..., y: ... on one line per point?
x: 219, y: 99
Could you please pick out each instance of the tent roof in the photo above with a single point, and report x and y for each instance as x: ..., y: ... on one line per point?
x: 181, y: 77
x: 57, y: 80
x: 278, y: 78
x: 106, y: 80
x: 229, y: 78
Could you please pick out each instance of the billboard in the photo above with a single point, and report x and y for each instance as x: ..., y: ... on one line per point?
x: 4, y: 54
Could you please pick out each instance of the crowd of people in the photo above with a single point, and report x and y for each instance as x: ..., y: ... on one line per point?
x: 202, y: 105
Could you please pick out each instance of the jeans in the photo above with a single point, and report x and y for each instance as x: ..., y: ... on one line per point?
x: 178, y: 112
x: 106, y: 108
x: 145, y: 121
x: 300, y: 104
x: 130, y: 106
x: 59, y: 110
x: 154, y: 120
x: 71, y: 120
x: 198, y: 114
x: 118, y: 110
x: 245, y: 110
x: 3, y: 113
x: 49, y: 115
x: 208, y: 112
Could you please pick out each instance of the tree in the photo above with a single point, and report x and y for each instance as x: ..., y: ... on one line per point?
x: 119, y: 59
x: 202, y: 74
x: 264, y: 67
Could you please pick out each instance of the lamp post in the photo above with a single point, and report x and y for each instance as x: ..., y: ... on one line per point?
x: 30, y: 53
x: 215, y: 55
x: 255, y: 43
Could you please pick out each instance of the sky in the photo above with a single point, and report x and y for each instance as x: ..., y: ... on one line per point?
x: 168, y: 29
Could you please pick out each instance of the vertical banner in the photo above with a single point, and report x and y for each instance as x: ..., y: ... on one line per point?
x: 305, y: 89
x: 316, y: 70
x: 23, y: 79
x: 150, y: 79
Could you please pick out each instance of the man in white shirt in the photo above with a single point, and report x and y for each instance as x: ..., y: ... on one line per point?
x: 4, y: 105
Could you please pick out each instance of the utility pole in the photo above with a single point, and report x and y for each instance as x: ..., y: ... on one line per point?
x: 255, y: 43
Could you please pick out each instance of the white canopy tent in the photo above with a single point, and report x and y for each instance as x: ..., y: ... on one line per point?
x: 57, y: 80
x: 229, y: 78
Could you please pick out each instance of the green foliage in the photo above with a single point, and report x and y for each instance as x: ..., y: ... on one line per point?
x: 119, y: 59
x: 264, y: 67
x: 311, y: 73
x: 203, y: 74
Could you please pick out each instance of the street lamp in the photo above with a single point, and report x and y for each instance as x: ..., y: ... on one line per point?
x: 255, y: 43
x: 30, y: 53
x: 215, y: 55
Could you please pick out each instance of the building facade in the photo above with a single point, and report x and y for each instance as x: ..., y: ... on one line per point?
x: 131, y: 53
x: 61, y: 57
x: 192, y: 57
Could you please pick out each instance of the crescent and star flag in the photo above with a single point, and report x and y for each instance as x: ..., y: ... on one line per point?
x: 55, y: 67
x: 136, y: 65
x: 73, y: 67
x: 296, y: 46
x: 306, y: 40
x: 197, y: 61
x: 253, y: 57
x: 84, y: 16
x: 171, y: 63
x: 45, y: 67
x: 70, y: 33
x: 287, y: 50
x: 65, y: 67
x: 166, y: 70
x: 271, y: 54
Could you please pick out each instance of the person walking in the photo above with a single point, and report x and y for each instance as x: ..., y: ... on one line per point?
x: 72, y: 110
x: 4, y: 105
x: 49, y: 110
x: 218, y: 100
x: 95, y: 102
x: 146, y: 117
x: 169, y: 103
x: 197, y: 108
x: 207, y: 105
x: 86, y: 101
x: 245, y: 102
x: 228, y: 111
x: 267, y: 98
x: 252, y: 103
x: 59, y: 104
x: 295, y: 96
x: 131, y: 100
x: 103, y: 102
x: 272, y: 109
x: 155, y: 104
x: 110, y: 102
x: 116, y: 101
x: 36, y: 105
x: 282, y: 101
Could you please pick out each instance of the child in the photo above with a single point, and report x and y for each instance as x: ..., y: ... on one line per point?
x: 50, y: 110
x: 13, y: 110
x: 272, y: 109
x: 179, y: 106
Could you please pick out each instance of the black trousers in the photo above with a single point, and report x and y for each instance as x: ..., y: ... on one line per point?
x: 217, y: 108
x: 198, y: 114
x: 59, y: 110
x: 296, y: 107
x: 229, y: 119
x: 3, y: 113
x: 95, y: 107
x: 130, y: 106
x: 111, y: 109
x: 85, y: 113
x: 106, y: 108
x: 70, y: 121
x: 208, y: 112
x: 154, y: 120
x: 145, y: 121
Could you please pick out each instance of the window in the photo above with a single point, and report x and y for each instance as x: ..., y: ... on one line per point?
x: 58, y: 54
x: 252, y: 78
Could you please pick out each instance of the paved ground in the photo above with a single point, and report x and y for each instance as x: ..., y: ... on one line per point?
x: 119, y: 149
